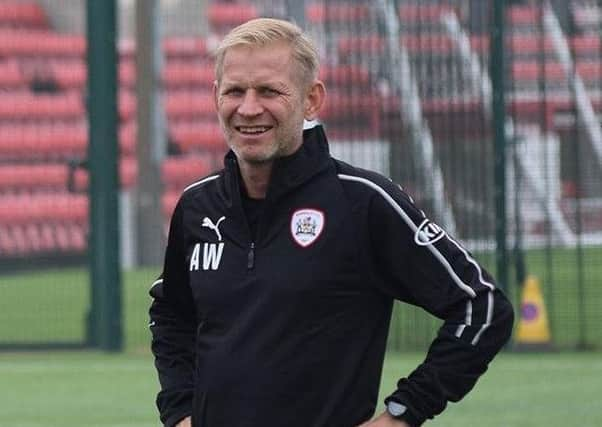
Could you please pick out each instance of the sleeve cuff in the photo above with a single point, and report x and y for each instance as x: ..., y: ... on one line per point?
x: 409, y: 416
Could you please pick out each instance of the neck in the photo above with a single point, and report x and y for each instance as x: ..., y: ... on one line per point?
x: 256, y: 179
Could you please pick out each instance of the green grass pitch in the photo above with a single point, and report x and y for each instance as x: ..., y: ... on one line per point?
x: 93, y: 390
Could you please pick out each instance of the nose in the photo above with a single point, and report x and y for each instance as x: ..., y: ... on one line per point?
x: 250, y: 105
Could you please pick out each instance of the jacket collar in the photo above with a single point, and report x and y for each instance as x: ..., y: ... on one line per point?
x: 288, y: 172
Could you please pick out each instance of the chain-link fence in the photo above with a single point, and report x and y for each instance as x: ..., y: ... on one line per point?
x: 409, y: 94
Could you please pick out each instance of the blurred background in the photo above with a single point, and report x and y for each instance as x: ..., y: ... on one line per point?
x: 486, y: 112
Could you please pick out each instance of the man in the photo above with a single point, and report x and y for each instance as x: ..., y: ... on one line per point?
x: 280, y: 271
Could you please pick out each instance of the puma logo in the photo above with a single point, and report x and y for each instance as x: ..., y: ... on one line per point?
x: 215, y: 227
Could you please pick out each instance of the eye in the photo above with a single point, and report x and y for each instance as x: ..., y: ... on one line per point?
x: 233, y: 91
x: 269, y: 92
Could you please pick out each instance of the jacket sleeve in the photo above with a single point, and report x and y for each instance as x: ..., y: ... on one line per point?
x: 415, y: 261
x: 173, y: 326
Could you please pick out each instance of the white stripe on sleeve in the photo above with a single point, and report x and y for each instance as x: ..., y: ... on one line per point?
x: 467, y: 321
x: 487, y: 323
x: 456, y: 279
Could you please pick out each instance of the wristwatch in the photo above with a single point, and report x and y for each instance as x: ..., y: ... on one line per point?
x: 396, y: 409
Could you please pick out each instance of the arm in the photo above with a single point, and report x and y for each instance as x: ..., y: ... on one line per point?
x: 384, y: 420
x: 444, y: 279
x: 173, y: 326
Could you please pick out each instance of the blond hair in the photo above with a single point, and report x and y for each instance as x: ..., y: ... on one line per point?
x: 264, y: 31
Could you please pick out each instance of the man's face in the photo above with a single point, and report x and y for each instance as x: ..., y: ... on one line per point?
x: 261, y: 102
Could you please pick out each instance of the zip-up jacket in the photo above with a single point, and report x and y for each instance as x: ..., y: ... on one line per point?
x: 290, y: 328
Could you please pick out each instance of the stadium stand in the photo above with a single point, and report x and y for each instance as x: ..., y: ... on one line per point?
x: 41, y: 132
x: 26, y: 106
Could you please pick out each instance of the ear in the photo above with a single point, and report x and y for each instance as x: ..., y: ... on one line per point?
x: 316, y: 95
x: 215, y: 93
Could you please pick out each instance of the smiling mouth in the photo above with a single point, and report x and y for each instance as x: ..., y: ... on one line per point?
x: 252, y: 130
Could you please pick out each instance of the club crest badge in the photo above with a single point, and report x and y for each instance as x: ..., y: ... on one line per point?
x: 306, y: 226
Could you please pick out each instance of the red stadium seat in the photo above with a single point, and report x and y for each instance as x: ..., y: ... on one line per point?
x: 127, y: 73
x: 518, y: 44
x: 6, y: 242
x: 531, y: 70
x: 224, y: 15
x: 173, y: 47
x: 61, y: 237
x: 441, y: 105
x: 10, y: 75
x: 191, y: 137
x: 78, y: 236
x: 21, y: 14
x: 186, y: 104
x: 428, y: 44
x: 32, y: 234
x: 480, y: 44
x: 180, y: 171
x: 43, y: 177
x: 184, y: 47
x: 187, y: 135
x: 25, y: 105
x: 318, y: 13
x: 169, y: 201
x: 33, y: 177
x: 423, y: 44
x: 43, y: 208
x: 421, y: 13
x: 42, y: 141
x: 127, y: 138
x: 587, y: 45
x: 345, y: 75
x: 128, y: 172
x: 54, y: 176
x: 69, y: 74
x: 20, y: 240
x: 183, y: 73
x: 46, y: 237
x: 529, y: 44
x: 41, y: 43
x: 339, y: 105
x: 361, y: 110
x: 361, y: 44
x: 176, y: 73
x: 126, y: 48
x: 590, y: 71
x: 524, y: 16
x: 40, y: 222
x: 127, y: 105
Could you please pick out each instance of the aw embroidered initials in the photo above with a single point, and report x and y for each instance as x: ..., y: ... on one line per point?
x: 212, y: 255
x: 212, y: 252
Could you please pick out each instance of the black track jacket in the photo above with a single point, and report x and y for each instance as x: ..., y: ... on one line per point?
x: 290, y: 330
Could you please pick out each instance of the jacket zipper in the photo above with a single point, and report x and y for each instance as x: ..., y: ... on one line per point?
x: 251, y: 257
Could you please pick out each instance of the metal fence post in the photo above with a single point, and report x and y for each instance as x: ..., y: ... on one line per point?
x: 151, y: 137
x: 497, y: 70
x: 103, y: 155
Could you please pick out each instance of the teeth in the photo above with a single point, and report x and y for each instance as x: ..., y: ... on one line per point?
x: 253, y: 129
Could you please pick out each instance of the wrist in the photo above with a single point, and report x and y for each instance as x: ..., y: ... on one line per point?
x: 401, y: 413
x: 396, y: 422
